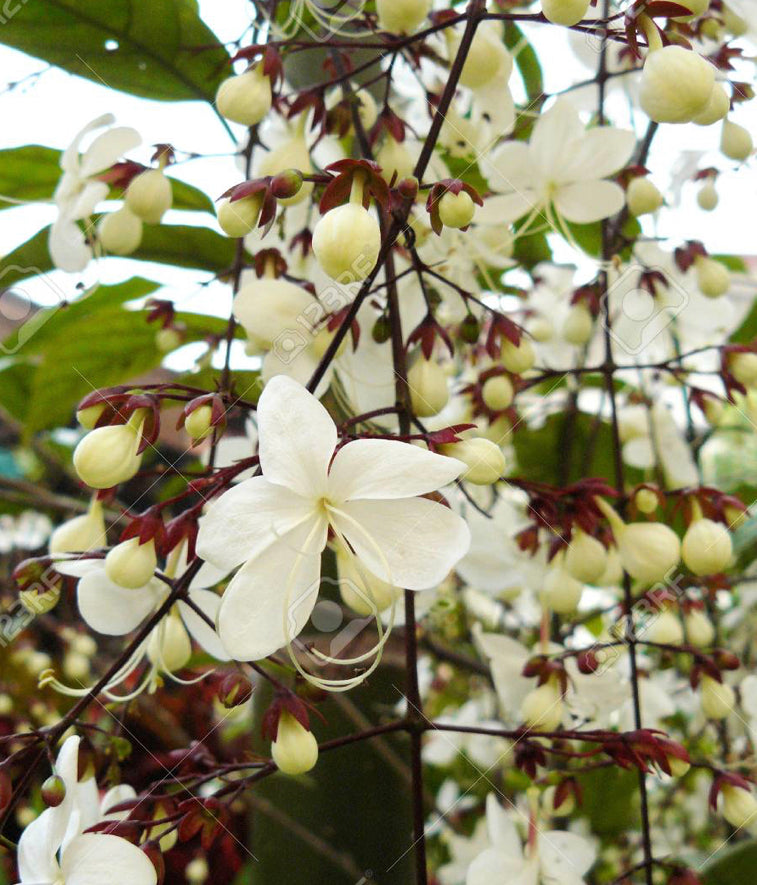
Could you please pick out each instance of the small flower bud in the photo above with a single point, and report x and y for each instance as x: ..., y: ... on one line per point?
x: 120, y: 232
x: 169, y: 647
x: 295, y: 749
x: 199, y: 423
x: 107, y: 456
x: 287, y: 163
x: 664, y: 628
x: 518, y: 358
x: 585, y: 558
x: 395, y: 159
x: 54, y: 790
x: 131, y: 564
x: 149, y: 196
x: 646, y: 501
x: 564, y: 12
x: 408, y: 187
x: 234, y: 690
x: 470, y: 329
x: 542, y: 708
x: 497, y: 393
x: 382, y: 329
x: 699, y: 628
x: 707, y: 548
x: 676, y: 84
x: 288, y: 184
x: 168, y: 339
x: 587, y: 662
x: 542, y: 329
x: 401, y: 16
x: 713, y: 277
x: 456, y: 210
x: 578, y: 326
x: 743, y: 367
x: 735, y: 141
x: 708, y: 198
x: 346, y: 243
x: 643, y: 197
x: 716, y: 698
x: 486, y: 58
x: 739, y: 805
x: 484, y: 459
x: 239, y: 217
x: 82, y: 533
x: 428, y: 387
x: 245, y: 98
x: 561, y: 592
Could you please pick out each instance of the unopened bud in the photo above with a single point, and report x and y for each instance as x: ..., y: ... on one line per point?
x: 585, y: 558
x: 646, y: 501
x: 664, y: 628
x: 295, y: 749
x: 54, y: 790
x: 717, y: 698
x: 707, y: 548
x: 382, y: 329
x: 287, y: 184
x: 713, y: 277
x: 107, y: 456
x: 699, y: 628
x: 735, y: 141
x: 168, y: 339
x: 484, y: 459
x: 643, y: 197
x: 131, y: 564
x: 470, y: 329
x: 90, y: 415
x: 518, y: 358
x: 428, y: 387
x: 707, y: 197
x: 542, y: 708
x: 456, y: 210
x: 346, y: 243
x: 408, y: 188
x: 497, y: 393
x: 82, y: 533
x: 199, y: 422
x: 564, y: 12
x: 120, y: 232
x: 561, y: 592
x: 743, y: 367
x: 739, y: 805
x: 149, y: 196
x: 245, y: 98
x: 234, y: 690
x: 676, y: 84
x: 578, y: 326
x: 238, y: 217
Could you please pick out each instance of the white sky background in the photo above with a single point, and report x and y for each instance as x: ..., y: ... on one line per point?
x: 51, y: 109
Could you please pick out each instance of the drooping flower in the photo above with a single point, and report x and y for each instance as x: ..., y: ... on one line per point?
x: 561, y: 171
x: 277, y: 524
x: 79, y: 191
x: 54, y: 850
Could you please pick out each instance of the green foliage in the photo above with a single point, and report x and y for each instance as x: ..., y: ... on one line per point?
x: 610, y: 798
x: 734, y: 866
x: 157, y: 49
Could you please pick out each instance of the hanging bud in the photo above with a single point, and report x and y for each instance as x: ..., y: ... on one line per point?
x: 456, y: 210
x: 561, y: 592
x: 428, y: 387
x: 346, y: 243
x: 542, y: 708
x: 168, y: 339
x: 107, y: 456
x: 646, y: 501
x: 484, y: 459
x: 395, y: 160
x: 286, y: 164
x: 245, y: 98
x: 239, y: 217
x: 564, y: 12
x: 486, y: 58
x: 149, y: 196
x: 707, y: 548
x: 739, y: 806
x: 715, y: 109
x: 169, y: 647
x: 643, y: 197
x: 470, y: 329
x: 585, y: 558
x: 676, y: 84
x: 648, y: 550
x: 578, y: 326
x: 664, y: 628
x: 700, y: 630
x: 295, y: 749
x: 120, y: 232
x: 131, y: 564
x: 518, y: 358
x: 735, y: 141
x: 382, y: 329
x: 716, y: 698
x: 743, y: 367
x: 82, y: 533
x: 497, y: 393
x: 713, y: 277
x: 401, y: 16
x: 54, y: 790
x: 708, y: 198
x: 198, y: 424
x: 234, y: 690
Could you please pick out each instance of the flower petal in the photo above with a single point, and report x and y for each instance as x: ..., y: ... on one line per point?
x: 111, y: 609
x: 202, y: 633
x: 297, y: 437
x: 94, y: 858
x: 251, y: 616
x: 68, y: 248
x: 69, y: 160
x: 504, y: 208
x: 553, y: 138
x: 565, y: 857
x: 247, y: 519
x: 587, y: 201
x: 494, y: 865
x: 501, y: 828
x: 419, y: 540
x: 383, y: 468
x: 508, y: 168
x: 601, y: 152
x: 37, y: 848
x: 107, y: 148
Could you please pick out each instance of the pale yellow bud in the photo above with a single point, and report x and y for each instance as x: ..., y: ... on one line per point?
x: 484, y: 459
x: 664, y: 628
x: 739, y: 805
x: 497, y: 393
x: 743, y: 367
x: 678, y: 767
x: 487, y: 56
x: 561, y: 592
x: 676, y: 84
x: 107, y: 456
x: 456, y: 210
x: 120, y: 232
x: 735, y: 141
x: 198, y: 422
x: 518, y: 359
x: 699, y: 628
x: 585, y: 558
x: 643, y: 197
x: 131, y: 564
x: 346, y: 243
x: 564, y: 12
x: 717, y: 698
x: 646, y: 501
x: 708, y: 198
x: 237, y: 219
x: 295, y: 749
x: 401, y: 16
x: 613, y: 573
x: 82, y: 533
x: 542, y: 708
x: 734, y: 22
x: 707, y: 548
x: 168, y: 339
x: 169, y: 647
x: 246, y: 98
x: 90, y: 415
x: 360, y: 589
x: 578, y: 326
x: 292, y: 154
x: 713, y: 277
x: 716, y: 108
x: 429, y: 393
x: 149, y: 196
x: 394, y: 159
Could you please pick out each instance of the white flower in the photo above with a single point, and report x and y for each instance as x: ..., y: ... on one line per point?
x: 277, y: 524
x: 563, y: 167
x: 53, y: 850
x: 555, y: 858
x: 78, y: 191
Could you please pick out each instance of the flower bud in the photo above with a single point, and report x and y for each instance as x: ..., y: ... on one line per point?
x: 517, y: 358
x: 561, y: 592
x: 131, y: 564
x: 234, y: 690
x: 699, y: 628
x: 394, y: 159
x: 648, y: 550
x: 743, y: 367
x: 735, y: 141
x: 107, y: 456
x: 497, y: 393
x: 612, y: 576
x: 456, y: 210
x: 484, y: 459
x: 295, y: 749
x: 578, y: 326
x: 486, y: 58
x: 287, y: 184
x: 82, y: 533
x: 239, y: 217
x: 542, y: 708
x: 169, y: 647
x: 245, y: 98
x: 401, y: 16
x: 713, y: 277
x: 382, y: 329
x: 90, y: 415
x: 643, y: 197
x: 585, y: 558
x: 367, y: 110
x: 290, y: 156
x: 664, y: 628
x: 470, y: 329
x: 739, y: 805
x: 676, y: 84
x: 564, y: 12
x: 708, y: 198
x: 54, y: 790
x: 168, y: 339
x: 120, y: 232
x: 149, y: 196
x: 428, y: 387
x: 39, y: 600
x: 646, y: 501
x: 346, y: 243
x: 717, y: 698
x: 542, y: 328
x: 715, y: 109
x: 707, y: 547
x: 199, y: 423
x: 360, y: 589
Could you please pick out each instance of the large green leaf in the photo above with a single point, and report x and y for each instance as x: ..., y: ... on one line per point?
x: 734, y: 866
x: 158, y: 49
x: 31, y: 173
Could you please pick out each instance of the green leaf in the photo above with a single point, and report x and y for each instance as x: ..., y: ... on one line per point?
x: 31, y: 174
x: 158, y: 49
x: 527, y: 62
x: 734, y: 866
